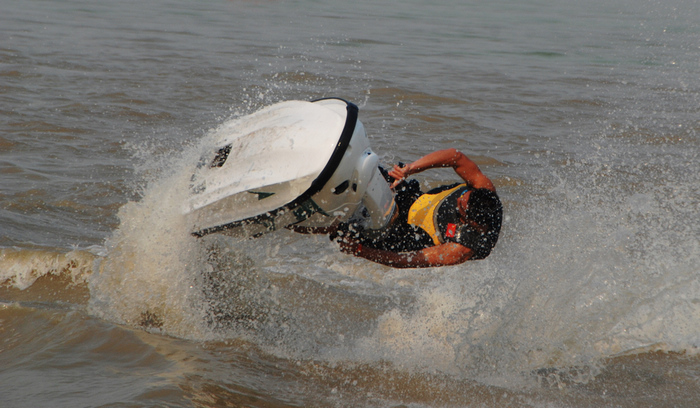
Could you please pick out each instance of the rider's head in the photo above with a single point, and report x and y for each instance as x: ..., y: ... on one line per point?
x: 485, y: 210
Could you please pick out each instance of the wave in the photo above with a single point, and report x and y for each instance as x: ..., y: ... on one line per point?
x: 21, y: 268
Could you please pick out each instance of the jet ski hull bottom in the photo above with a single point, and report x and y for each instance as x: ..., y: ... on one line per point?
x: 294, y: 163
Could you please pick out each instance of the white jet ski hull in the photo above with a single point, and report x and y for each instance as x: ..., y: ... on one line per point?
x: 293, y: 163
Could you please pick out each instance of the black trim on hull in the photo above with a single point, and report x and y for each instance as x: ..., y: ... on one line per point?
x: 317, y: 185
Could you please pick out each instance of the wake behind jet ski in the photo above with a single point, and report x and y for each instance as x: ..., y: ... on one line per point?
x: 295, y: 163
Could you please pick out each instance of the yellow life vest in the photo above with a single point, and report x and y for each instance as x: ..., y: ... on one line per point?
x: 423, y: 212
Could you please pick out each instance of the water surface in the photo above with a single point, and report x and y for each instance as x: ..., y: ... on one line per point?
x: 585, y: 115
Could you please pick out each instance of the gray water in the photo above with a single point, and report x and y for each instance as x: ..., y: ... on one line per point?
x: 584, y: 114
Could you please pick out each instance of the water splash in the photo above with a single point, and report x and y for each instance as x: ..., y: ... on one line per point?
x: 147, y: 276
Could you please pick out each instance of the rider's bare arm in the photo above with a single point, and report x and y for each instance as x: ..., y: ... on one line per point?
x: 450, y: 253
x: 463, y: 166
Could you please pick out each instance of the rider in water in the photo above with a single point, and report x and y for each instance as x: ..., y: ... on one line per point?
x: 445, y: 226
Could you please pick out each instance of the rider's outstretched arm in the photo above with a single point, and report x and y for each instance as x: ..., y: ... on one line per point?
x: 450, y: 253
x: 463, y: 166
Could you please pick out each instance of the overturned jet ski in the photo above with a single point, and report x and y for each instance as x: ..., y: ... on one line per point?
x: 293, y: 163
